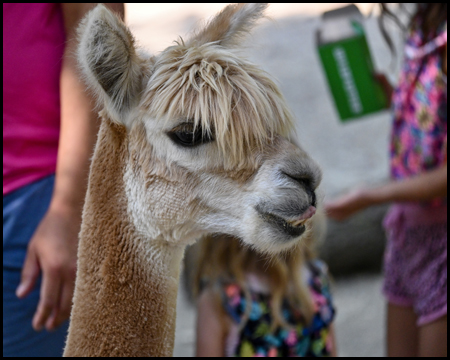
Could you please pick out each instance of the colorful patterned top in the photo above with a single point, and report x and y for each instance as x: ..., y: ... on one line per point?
x: 419, y: 137
x: 255, y: 339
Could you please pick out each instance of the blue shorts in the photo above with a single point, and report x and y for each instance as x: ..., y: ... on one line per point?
x: 23, y: 209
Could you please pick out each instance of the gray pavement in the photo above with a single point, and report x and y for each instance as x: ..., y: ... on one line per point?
x: 360, y: 318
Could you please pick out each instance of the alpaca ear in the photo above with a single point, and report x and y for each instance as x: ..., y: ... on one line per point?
x: 228, y: 27
x: 109, y: 63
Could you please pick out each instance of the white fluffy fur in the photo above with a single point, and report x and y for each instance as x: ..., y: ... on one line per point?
x: 205, y: 81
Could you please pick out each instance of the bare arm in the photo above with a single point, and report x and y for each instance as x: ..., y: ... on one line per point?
x: 79, y: 123
x: 53, y: 247
x: 426, y: 186
x: 210, y: 330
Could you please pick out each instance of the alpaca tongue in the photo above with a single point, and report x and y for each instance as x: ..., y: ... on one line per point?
x: 308, y: 213
x: 305, y: 216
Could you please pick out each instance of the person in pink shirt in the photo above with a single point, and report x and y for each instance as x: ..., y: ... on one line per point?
x: 49, y: 131
x: 415, y: 261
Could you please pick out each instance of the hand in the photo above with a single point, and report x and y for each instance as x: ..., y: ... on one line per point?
x: 345, y: 206
x: 386, y: 85
x: 52, y: 250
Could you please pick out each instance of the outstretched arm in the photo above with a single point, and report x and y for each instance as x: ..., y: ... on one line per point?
x: 423, y: 187
x: 53, y: 247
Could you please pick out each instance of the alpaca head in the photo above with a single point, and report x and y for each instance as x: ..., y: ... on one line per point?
x: 207, y: 147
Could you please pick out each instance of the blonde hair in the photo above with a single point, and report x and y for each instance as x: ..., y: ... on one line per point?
x: 225, y: 258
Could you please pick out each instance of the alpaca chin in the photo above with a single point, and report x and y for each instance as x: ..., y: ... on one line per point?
x: 272, y: 236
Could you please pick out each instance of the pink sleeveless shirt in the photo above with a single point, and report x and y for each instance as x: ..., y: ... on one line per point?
x: 33, y: 46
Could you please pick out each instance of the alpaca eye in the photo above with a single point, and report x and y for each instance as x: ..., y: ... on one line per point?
x: 186, y: 136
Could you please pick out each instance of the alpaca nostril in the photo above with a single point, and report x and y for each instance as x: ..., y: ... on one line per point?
x: 306, y: 183
x: 313, y: 199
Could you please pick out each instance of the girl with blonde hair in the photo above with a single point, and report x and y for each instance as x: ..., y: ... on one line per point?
x: 251, y: 304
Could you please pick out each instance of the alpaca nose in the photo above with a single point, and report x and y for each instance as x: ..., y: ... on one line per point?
x: 307, y: 183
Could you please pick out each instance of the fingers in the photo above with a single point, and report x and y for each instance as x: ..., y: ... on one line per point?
x: 62, y: 312
x: 384, y: 82
x: 349, y: 204
x: 380, y: 77
x: 52, y: 252
x: 49, y: 297
x: 50, y: 289
x: 340, y: 209
x: 334, y: 213
x: 30, y: 273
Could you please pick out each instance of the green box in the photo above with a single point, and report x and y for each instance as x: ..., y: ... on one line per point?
x: 349, y: 69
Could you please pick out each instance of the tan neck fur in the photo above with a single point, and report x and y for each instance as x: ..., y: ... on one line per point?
x: 126, y: 288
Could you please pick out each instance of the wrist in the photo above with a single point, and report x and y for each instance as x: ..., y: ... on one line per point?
x: 376, y: 196
x: 66, y: 207
x: 370, y: 196
x: 68, y: 196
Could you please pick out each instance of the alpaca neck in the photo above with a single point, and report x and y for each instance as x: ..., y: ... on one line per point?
x: 126, y: 288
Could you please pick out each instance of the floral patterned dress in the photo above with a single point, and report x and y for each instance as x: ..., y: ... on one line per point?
x: 255, y: 338
x: 419, y: 136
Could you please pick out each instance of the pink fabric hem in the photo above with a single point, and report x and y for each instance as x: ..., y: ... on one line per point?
x: 396, y: 300
x: 423, y: 320
x: 413, y: 214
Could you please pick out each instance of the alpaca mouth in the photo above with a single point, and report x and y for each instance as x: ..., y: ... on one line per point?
x: 291, y: 228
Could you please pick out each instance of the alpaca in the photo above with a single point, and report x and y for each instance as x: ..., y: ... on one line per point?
x: 193, y: 140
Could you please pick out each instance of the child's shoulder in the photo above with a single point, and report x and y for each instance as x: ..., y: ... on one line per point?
x: 317, y: 270
x: 319, y: 283
x: 319, y: 266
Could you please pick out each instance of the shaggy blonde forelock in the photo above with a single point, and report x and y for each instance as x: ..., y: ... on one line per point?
x: 231, y: 99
